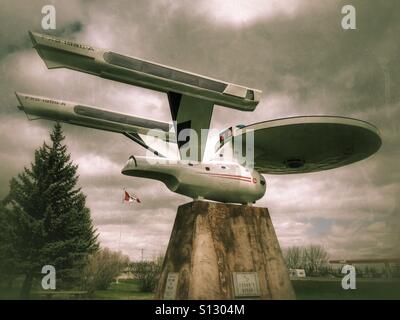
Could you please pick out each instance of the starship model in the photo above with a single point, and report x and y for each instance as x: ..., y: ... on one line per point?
x: 281, y: 146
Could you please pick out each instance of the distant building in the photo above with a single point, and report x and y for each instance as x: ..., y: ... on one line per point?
x: 297, y: 273
x: 372, y: 268
x: 126, y: 274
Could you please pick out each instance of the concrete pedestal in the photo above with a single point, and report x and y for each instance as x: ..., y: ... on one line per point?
x: 223, y: 251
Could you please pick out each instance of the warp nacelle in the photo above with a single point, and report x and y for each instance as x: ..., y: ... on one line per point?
x: 60, y: 53
x: 37, y: 107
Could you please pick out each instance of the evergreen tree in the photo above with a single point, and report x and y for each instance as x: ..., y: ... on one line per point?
x: 51, y: 222
x: 9, y: 265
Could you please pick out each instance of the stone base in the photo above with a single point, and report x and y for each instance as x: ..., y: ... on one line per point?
x: 223, y: 251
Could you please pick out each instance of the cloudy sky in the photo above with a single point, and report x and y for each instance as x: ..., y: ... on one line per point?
x: 295, y: 51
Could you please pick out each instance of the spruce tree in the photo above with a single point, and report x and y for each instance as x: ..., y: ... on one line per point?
x: 9, y: 266
x: 51, y: 221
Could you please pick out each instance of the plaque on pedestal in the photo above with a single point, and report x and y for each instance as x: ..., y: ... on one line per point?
x: 171, y: 285
x: 246, y: 284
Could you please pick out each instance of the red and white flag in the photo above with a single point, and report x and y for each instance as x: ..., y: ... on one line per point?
x: 130, y: 197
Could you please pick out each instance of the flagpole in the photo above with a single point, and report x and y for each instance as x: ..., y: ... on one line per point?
x: 120, y: 232
x: 120, y: 223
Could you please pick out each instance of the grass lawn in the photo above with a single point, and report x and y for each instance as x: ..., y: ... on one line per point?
x: 306, y: 289
x: 331, y: 289
x: 124, y: 290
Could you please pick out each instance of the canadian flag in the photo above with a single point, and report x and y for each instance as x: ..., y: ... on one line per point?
x: 130, y: 197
